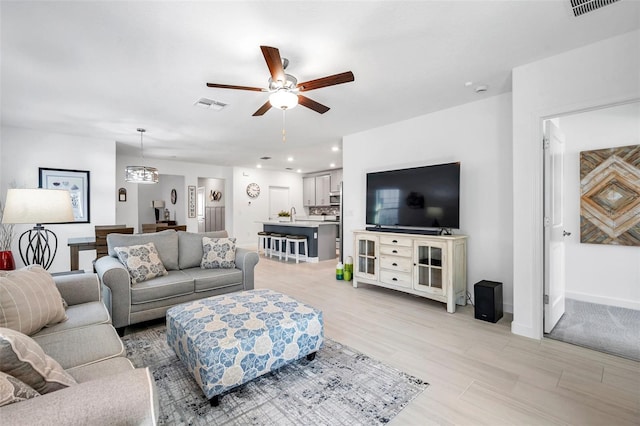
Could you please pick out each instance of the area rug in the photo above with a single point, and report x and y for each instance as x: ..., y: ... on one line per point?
x: 339, y: 387
x: 607, y: 329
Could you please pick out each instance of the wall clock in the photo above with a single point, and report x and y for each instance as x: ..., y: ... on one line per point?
x: 253, y: 190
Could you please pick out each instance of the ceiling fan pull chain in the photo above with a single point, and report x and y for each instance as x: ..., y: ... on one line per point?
x: 284, y: 132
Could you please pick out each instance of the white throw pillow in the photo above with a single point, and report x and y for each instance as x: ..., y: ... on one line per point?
x: 142, y: 262
x: 218, y: 253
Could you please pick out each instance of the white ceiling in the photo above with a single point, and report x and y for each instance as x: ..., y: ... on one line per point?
x: 102, y: 69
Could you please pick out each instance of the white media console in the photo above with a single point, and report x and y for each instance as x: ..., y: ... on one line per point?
x: 431, y: 266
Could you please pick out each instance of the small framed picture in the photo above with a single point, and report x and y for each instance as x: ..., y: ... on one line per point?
x: 74, y: 181
x: 191, y: 200
x: 122, y: 195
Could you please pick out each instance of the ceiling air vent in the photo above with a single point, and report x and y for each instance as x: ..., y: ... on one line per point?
x: 580, y: 7
x: 210, y: 104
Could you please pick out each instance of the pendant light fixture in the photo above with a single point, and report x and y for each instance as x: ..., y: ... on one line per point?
x: 141, y: 174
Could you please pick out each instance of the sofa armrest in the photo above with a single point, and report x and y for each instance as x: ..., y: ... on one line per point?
x: 114, y: 275
x: 128, y: 398
x: 246, y: 260
x: 78, y: 288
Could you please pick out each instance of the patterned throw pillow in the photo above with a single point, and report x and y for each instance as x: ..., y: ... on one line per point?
x: 142, y: 262
x: 24, y: 359
x: 14, y: 390
x: 29, y: 300
x: 218, y: 253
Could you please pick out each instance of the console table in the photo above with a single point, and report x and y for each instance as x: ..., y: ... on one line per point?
x: 434, y: 267
x: 76, y: 245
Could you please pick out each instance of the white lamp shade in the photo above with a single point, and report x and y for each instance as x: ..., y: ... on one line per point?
x: 283, y: 99
x: 38, y: 206
x: 157, y: 204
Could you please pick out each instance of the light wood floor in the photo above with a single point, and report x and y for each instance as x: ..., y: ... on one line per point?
x: 480, y: 373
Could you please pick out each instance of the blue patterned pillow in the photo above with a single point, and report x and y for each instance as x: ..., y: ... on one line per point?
x: 218, y: 253
x: 142, y: 262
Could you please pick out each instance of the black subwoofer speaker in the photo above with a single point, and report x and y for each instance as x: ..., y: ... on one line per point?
x: 488, y: 300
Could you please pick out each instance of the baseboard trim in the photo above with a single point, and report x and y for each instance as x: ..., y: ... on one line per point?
x: 522, y: 330
x: 602, y: 300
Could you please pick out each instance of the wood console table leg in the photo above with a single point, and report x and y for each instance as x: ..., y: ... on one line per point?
x: 74, y: 255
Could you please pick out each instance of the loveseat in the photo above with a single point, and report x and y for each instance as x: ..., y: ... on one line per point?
x: 181, y: 255
x: 104, y: 386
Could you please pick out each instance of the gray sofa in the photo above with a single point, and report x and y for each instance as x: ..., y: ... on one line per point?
x: 109, y: 390
x: 181, y: 253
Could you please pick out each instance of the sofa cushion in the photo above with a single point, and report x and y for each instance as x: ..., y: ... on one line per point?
x: 142, y: 262
x: 82, y: 346
x: 176, y: 283
x: 218, y: 253
x: 29, y: 300
x: 166, y: 243
x: 14, y: 390
x: 101, y: 369
x: 80, y: 316
x: 210, y: 279
x: 190, y: 247
x: 24, y: 359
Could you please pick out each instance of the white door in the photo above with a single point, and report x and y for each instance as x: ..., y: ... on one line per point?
x: 554, y: 232
x: 278, y: 200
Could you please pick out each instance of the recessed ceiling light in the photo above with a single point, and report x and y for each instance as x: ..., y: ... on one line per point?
x: 259, y: 166
x: 289, y: 159
x: 335, y: 149
x: 332, y: 165
x: 299, y: 171
x: 468, y: 83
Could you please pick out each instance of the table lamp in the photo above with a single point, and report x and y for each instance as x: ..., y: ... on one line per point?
x: 38, y: 245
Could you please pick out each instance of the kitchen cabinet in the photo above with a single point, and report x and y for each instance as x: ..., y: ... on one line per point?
x: 308, y: 191
x: 336, y: 180
x: 323, y: 185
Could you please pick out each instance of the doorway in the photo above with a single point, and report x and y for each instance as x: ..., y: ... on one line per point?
x: 592, y: 290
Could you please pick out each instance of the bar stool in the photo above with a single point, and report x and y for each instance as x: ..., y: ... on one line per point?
x: 282, y: 248
x: 297, y: 240
x: 263, y: 242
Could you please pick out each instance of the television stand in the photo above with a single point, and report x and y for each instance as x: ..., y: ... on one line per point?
x: 406, y: 230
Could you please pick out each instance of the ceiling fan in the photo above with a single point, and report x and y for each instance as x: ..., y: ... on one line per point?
x: 284, y: 88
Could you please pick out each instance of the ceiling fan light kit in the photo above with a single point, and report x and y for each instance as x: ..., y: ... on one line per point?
x: 141, y: 174
x: 283, y: 99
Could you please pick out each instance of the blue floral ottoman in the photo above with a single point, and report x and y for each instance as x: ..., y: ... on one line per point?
x: 227, y: 340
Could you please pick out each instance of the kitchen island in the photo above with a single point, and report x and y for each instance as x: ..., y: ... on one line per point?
x: 321, y: 236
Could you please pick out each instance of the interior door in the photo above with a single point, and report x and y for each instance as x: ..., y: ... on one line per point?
x: 554, y: 232
x: 278, y: 201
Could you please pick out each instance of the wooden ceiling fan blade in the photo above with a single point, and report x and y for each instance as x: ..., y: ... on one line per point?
x: 264, y: 108
x: 311, y: 104
x: 331, y: 80
x: 229, y: 86
x: 274, y: 62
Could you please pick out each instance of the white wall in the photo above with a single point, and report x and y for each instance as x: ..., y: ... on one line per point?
x: 248, y: 211
x: 128, y: 212
x: 598, y: 74
x: 24, y: 151
x: 478, y: 135
x: 612, y: 276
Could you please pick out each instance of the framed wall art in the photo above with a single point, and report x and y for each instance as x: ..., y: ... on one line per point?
x: 610, y: 196
x: 74, y: 181
x: 191, y: 200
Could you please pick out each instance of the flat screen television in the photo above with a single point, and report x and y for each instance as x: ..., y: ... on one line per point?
x: 419, y: 197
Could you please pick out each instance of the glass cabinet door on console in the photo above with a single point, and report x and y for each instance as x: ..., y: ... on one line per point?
x: 430, y: 271
x: 366, y: 257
